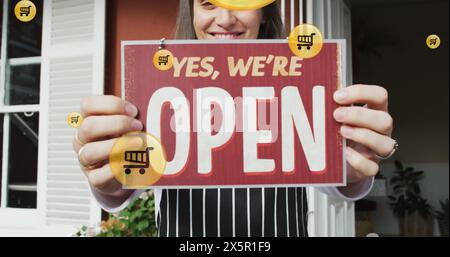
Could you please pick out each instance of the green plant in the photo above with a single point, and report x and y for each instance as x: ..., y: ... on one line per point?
x: 81, y: 232
x: 442, y: 217
x: 407, y: 197
x: 137, y: 220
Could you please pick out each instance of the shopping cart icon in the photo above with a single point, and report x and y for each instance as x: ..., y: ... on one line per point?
x: 163, y: 60
x: 24, y: 11
x: 305, y: 40
x: 433, y: 41
x: 140, y: 160
x: 74, y: 119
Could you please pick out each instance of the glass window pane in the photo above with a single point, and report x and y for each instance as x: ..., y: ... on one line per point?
x: 22, y: 199
x: 24, y: 84
x: 24, y: 38
x: 22, y: 161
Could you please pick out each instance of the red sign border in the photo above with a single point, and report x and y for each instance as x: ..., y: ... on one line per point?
x: 342, y: 54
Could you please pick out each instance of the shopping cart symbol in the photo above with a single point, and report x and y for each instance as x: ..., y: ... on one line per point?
x: 140, y: 160
x: 24, y: 10
x: 163, y: 60
x: 74, y: 119
x: 433, y: 41
x: 305, y: 40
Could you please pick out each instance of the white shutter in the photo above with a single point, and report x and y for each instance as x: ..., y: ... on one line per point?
x: 72, y: 68
x: 330, y: 216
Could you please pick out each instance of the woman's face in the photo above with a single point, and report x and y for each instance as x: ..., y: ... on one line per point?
x: 212, y: 22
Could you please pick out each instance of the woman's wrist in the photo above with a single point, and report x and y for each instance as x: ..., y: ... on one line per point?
x: 118, y: 194
x: 357, y: 189
x: 123, y: 193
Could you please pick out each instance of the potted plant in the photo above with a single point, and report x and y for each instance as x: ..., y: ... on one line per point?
x: 136, y: 220
x: 414, y: 213
x: 442, y: 217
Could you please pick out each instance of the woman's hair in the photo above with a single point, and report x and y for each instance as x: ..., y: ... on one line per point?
x: 272, y: 28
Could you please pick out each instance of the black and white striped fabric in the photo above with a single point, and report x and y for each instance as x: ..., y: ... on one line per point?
x: 238, y: 212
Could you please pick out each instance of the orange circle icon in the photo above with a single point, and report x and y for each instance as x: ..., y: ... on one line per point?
x: 241, y: 5
x: 74, y: 119
x: 137, y: 160
x: 433, y: 41
x: 306, y: 41
x: 163, y: 60
x: 25, y: 11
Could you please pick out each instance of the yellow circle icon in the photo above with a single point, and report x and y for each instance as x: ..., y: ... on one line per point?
x: 306, y: 41
x: 163, y: 60
x: 433, y: 41
x: 241, y: 5
x: 25, y: 11
x: 74, y: 119
x: 137, y: 160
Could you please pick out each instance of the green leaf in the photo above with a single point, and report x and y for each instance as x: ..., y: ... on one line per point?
x: 139, y: 220
x: 142, y: 225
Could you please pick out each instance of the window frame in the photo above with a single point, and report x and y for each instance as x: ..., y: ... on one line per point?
x: 16, y: 217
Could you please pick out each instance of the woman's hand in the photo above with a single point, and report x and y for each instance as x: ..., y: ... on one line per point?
x: 367, y: 128
x: 106, y: 118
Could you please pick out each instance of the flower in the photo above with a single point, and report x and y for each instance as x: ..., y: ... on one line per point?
x: 145, y: 195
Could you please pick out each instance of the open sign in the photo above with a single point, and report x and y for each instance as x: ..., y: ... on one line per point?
x: 240, y: 113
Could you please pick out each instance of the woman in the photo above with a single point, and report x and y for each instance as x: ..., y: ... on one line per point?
x: 226, y: 212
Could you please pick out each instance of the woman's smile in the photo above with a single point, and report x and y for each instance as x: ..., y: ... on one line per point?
x: 226, y: 35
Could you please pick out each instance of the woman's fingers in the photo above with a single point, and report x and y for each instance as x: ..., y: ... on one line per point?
x: 103, y: 180
x: 375, y: 97
x: 92, y: 154
x: 96, y: 128
x: 107, y: 105
x: 361, y: 166
x: 104, y: 117
x: 370, y: 127
x: 378, y: 143
x: 76, y: 143
x: 93, y: 159
x: 100, y: 105
x: 379, y: 121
